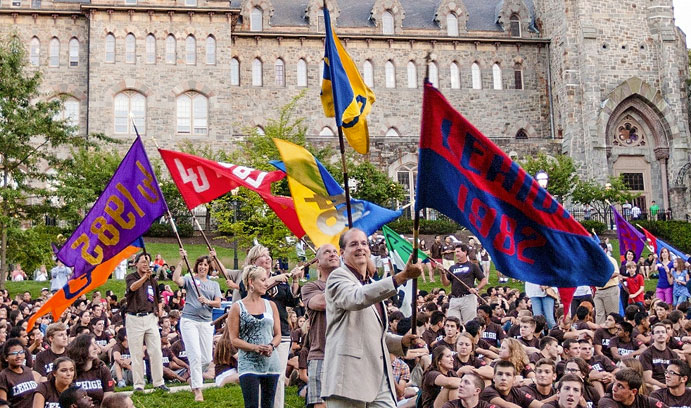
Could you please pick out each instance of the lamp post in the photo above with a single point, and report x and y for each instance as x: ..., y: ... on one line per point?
x: 542, y: 178
x: 234, y: 192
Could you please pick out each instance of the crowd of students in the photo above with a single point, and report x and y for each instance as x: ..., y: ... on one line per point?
x: 496, y: 350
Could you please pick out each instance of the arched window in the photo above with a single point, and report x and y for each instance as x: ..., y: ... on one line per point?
x: 521, y: 134
x: 280, y: 72
x: 451, y: 25
x: 150, y: 49
x: 412, y: 75
x: 454, y: 76
x: 126, y: 103
x: 368, y: 73
x: 302, y: 72
x: 257, y: 19
x: 130, y: 49
x: 35, y: 52
x: 390, y: 73
x: 476, y: 75
x: 434, y: 74
x: 210, y: 50
x: 171, y: 45
x: 110, y: 48
x: 515, y: 25
x: 496, y: 76
x: 234, y: 71
x: 392, y: 132
x: 326, y: 132
x: 54, y: 52
x: 257, y: 72
x: 69, y: 111
x: 406, y: 175
x: 192, y: 113
x: 190, y: 50
x: 518, y: 77
x: 74, y: 52
x: 387, y: 23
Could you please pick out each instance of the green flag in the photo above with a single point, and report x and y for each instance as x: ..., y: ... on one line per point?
x: 399, y: 252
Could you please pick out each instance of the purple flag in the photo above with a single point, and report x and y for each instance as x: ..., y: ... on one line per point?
x: 629, y: 237
x: 130, y: 203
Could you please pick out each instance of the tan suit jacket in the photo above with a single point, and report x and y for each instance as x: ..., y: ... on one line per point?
x: 356, y: 358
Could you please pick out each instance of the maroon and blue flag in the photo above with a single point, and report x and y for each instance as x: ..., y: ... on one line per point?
x: 529, y: 235
x: 128, y: 206
x: 658, y: 244
x: 628, y: 236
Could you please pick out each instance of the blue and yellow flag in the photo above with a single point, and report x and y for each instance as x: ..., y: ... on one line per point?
x: 344, y: 93
x: 320, y: 202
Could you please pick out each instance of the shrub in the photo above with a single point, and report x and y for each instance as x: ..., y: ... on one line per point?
x: 165, y: 230
x: 591, y: 225
x: 431, y: 227
x: 675, y: 233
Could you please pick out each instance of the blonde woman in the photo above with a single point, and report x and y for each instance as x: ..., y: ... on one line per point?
x: 511, y: 350
x: 255, y: 330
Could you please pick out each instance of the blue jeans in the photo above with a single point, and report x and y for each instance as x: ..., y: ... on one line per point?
x: 253, y: 384
x: 544, y: 306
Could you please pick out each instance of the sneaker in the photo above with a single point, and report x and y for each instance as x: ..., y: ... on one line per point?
x: 137, y: 389
x: 122, y: 383
x: 163, y: 388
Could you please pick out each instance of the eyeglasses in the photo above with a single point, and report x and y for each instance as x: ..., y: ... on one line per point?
x: 670, y: 372
x: 15, y: 353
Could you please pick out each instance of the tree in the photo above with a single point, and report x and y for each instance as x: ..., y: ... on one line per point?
x: 560, y: 169
x: 600, y: 196
x: 30, y: 143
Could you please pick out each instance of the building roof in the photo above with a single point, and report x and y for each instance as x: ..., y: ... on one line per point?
x: 419, y: 14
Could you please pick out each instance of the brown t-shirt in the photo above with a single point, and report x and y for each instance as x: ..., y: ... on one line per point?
x: 96, y: 382
x: 44, y: 361
x: 534, y: 342
x: 493, y: 334
x: 50, y: 394
x: 430, y: 391
x: 429, y: 336
x: 657, y: 361
x: 532, y: 390
x: 515, y: 396
x: 600, y: 364
x: 124, y: 352
x: 663, y: 395
x: 178, y: 350
x: 603, y: 337
x: 473, y: 361
x: 640, y: 401
x: 317, y: 332
x: 457, y: 404
x: 624, y: 349
x: 103, y: 339
x: 467, y: 272
x: 144, y: 299
x: 435, y: 251
x: 19, y: 387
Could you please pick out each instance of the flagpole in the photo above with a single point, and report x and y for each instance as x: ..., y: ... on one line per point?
x: 345, y: 175
x: 413, y: 300
x: 208, y: 245
x: 187, y: 262
x: 308, y: 245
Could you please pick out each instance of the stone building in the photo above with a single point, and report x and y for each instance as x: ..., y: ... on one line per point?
x: 601, y: 80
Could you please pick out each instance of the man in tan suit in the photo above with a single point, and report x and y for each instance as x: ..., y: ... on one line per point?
x: 357, y: 367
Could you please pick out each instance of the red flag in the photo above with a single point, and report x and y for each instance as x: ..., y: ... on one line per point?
x: 566, y: 296
x: 201, y: 180
x: 285, y: 210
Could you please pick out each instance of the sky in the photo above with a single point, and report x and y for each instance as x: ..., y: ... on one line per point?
x: 682, y: 15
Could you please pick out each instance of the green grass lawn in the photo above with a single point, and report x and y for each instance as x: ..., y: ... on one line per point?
x: 228, y: 396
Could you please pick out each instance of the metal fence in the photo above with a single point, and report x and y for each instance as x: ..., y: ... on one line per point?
x: 607, y: 217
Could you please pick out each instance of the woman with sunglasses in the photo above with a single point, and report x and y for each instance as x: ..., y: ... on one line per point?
x: 17, y: 381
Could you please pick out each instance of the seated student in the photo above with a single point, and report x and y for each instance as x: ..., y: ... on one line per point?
x: 466, y: 361
x: 92, y: 374
x: 117, y: 401
x: 527, y: 337
x: 17, y: 381
x: 578, y: 367
x: 545, y: 376
x: 569, y: 393
x: 121, y: 369
x: 482, y: 348
x: 439, y: 375
x: 435, y: 330
x: 225, y: 364
x: 656, y: 358
x: 624, y: 345
x: 625, y: 392
x: 601, y: 367
x: 56, y: 333
x: 493, y: 333
x: 167, y: 357
x: 468, y: 393
x: 549, y: 349
x: 676, y: 395
x: 452, y: 327
x: 502, y: 391
x: 512, y: 351
x: 75, y: 397
x: 603, y: 335
x: 59, y: 379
